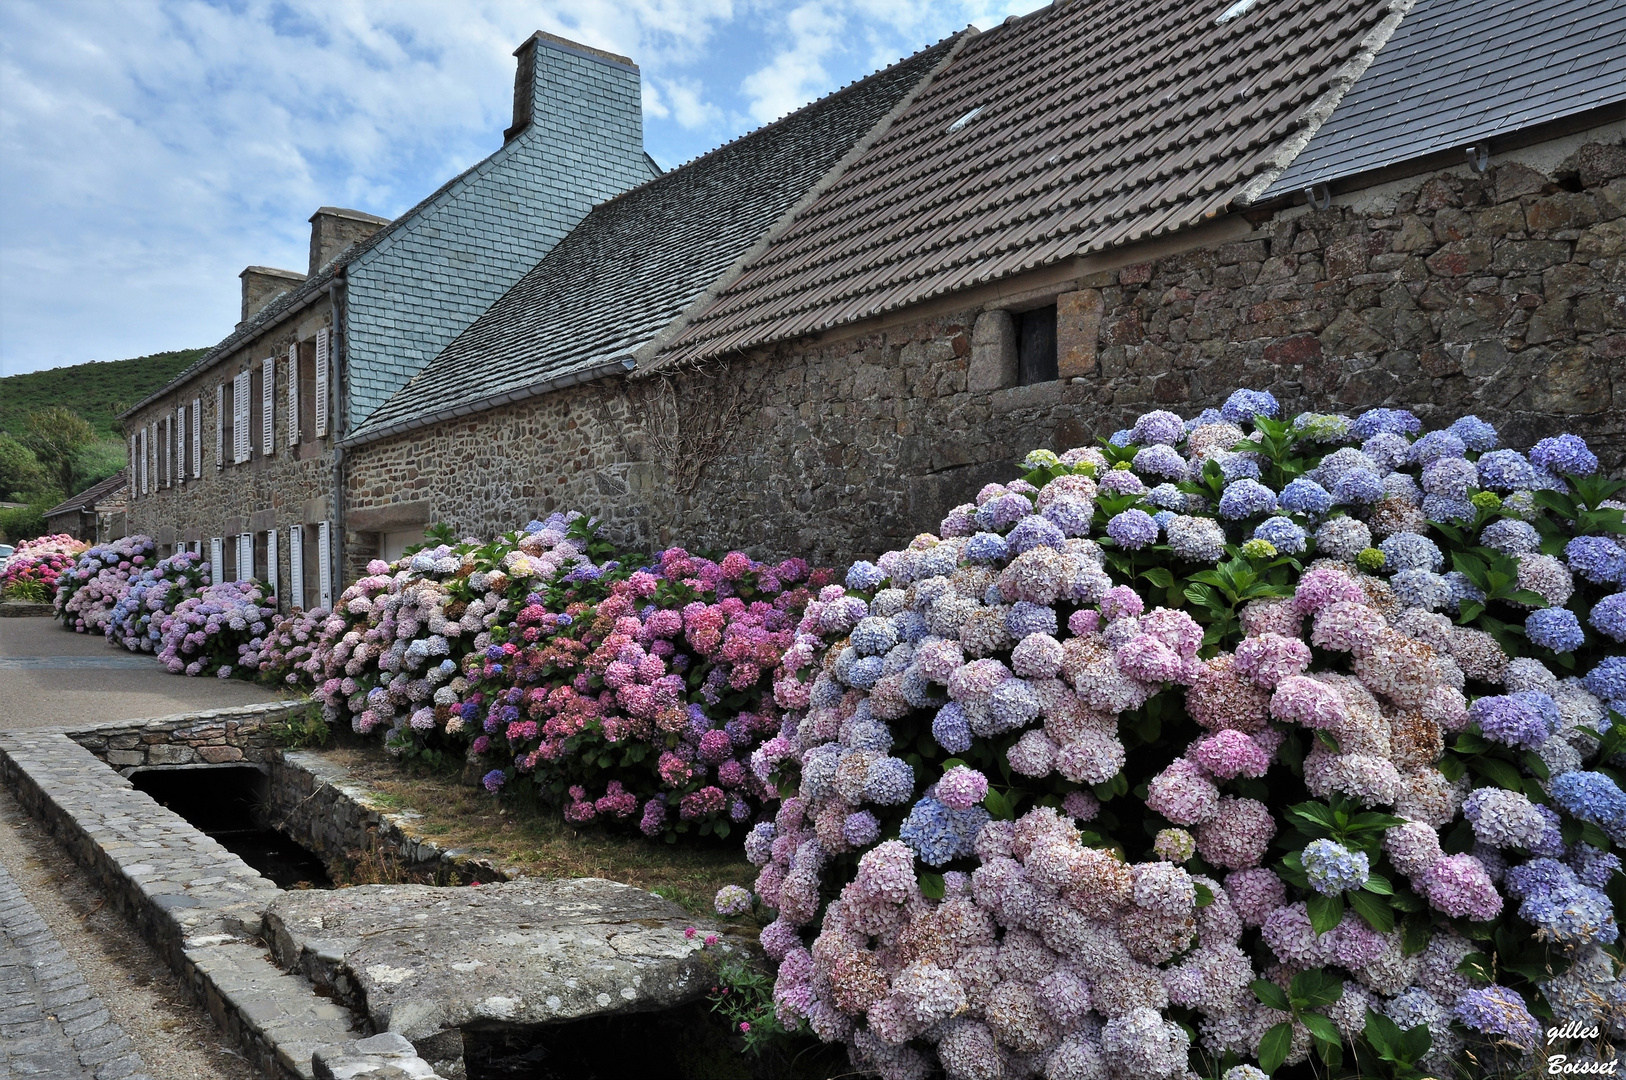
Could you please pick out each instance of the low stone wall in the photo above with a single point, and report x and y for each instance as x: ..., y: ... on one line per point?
x: 214, y: 737
x: 22, y: 609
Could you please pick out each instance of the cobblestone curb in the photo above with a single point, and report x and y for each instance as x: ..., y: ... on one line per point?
x: 199, y: 904
x: 50, y: 1023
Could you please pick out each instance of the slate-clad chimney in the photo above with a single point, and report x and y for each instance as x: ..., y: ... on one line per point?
x: 263, y: 284
x: 333, y: 229
x: 552, y: 87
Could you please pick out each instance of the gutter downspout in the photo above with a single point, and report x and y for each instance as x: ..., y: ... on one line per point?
x: 341, y: 413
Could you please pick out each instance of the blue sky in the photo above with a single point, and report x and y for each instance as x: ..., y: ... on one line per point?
x: 150, y: 151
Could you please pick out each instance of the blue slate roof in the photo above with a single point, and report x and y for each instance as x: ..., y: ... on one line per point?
x: 639, y: 261
x: 1459, y: 71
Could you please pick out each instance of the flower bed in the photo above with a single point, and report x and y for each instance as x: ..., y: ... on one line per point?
x: 136, y: 619
x: 206, y: 632
x: 1180, y: 795
x: 32, y: 570
x: 87, y: 591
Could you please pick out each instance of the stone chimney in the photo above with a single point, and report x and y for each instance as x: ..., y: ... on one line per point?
x: 263, y: 284
x: 333, y: 229
x: 553, y: 85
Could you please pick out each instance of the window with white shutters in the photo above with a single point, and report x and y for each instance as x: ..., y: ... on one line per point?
x: 217, y: 556
x: 296, y: 566
x: 273, y: 572
x: 321, y: 382
x: 293, y: 395
x: 220, y: 426
x: 239, y: 418
x: 169, y: 439
x: 245, y: 556
x: 143, y: 459
x: 152, y: 454
x: 135, y: 469
x: 324, y: 562
x: 197, y: 438
x: 180, y: 444
x: 268, y: 407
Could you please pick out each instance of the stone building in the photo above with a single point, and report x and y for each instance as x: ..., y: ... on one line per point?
x: 97, y: 514
x: 1052, y: 235
x: 240, y: 454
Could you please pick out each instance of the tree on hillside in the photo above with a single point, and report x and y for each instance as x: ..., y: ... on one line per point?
x: 56, y: 435
x: 20, y: 472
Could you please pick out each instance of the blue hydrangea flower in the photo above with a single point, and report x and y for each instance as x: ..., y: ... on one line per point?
x: 1608, y: 679
x: 939, y: 561
x: 1245, y: 499
x: 874, y: 635
x: 1237, y: 466
x: 1564, y: 454
x: 1014, y: 705
x: 951, y: 729
x: 1555, y: 628
x: 1034, y: 531
x: 1207, y: 416
x: 1575, y: 914
x: 1024, y: 618
x: 1461, y: 589
x: 1121, y: 437
x: 864, y: 576
x: 1409, y: 551
x: 1474, y: 433
x: 1449, y: 508
x: 1538, y: 877
x: 1435, y: 445
x: 1609, y: 616
x: 1511, y: 536
x: 1134, y: 528
x: 1168, y: 497
x: 1333, y: 868
x: 1506, y: 470
x: 1592, y: 796
x: 1496, y: 1010
x: 1244, y: 405
x: 1358, y: 486
x: 1373, y: 421
x: 1596, y: 558
x: 1161, y: 460
x: 1163, y: 517
x: 986, y: 547
x: 1527, y: 718
x: 1071, y: 514
x: 1304, y: 496
x: 1003, y: 511
x: 1336, y: 465
x: 1593, y: 867
x: 1387, y: 449
x: 889, y: 781
x: 1421, y: 588
x: 864, y: 673
x: 911, y: 625
x: 1449, y: 476
x: 1402, y: 486
x: 939, y: 834
x: 1287, y: 535
x: 1158, y: 427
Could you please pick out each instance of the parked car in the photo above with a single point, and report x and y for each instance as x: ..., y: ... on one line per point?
x: 6, y: 552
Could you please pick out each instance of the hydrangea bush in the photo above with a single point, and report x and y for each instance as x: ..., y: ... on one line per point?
x: 1233, y: 741
x: 36, y: 564
x: 137, y: 618
x: 87, y: 591
x: 207, y: 631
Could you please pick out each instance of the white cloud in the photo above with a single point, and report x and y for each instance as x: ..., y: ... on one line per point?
x: 149, y: 151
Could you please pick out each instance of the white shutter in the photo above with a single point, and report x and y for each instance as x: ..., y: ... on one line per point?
x: 239, y: 418
x: 217, y: 560
x: 220, y: 426
x: 321, y: 382
x: 293, y: 395
x: 169, y: 457
x: 135, y: 468
x: 324, y: 563
x: 268, y: 407
x: 245, y: 557
x: 180, y: 444
x: 143, y: 460
x: 296, y: 566
x: 197, y: 438
x: 152, y: 455
x: 272, y: 571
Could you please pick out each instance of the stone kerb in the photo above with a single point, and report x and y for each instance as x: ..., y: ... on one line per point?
x: 199, y: 904
x: 212, y: 737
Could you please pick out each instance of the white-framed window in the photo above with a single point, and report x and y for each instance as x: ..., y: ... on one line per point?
x: 217, y: 560
x: 293, y: 395
x: 143, y: 459
x: 324, y: 562
x: 220, y: 426
x: 241, y: 445
x: 322, y: 352
x: 268, y: 407
x: 245, y: 556
x: 152, y: 453
x: 181, y: 471
x: 197, y: 438
x: 296, y: 566
x: 273, y: 572
x: 135, y: 466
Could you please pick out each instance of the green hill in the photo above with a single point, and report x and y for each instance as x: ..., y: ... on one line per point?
x: 98, y: 392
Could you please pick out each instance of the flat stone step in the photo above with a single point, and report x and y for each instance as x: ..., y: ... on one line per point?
x: 425, y: 961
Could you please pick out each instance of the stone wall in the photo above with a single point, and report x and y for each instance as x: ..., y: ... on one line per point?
x: 214, y: 737
x: 1502, y: 294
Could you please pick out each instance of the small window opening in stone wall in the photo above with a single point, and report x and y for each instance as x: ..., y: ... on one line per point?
x: 1036, y: 346
x: 228, y: 418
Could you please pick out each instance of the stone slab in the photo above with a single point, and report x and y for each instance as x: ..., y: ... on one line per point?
x: 422, y: 961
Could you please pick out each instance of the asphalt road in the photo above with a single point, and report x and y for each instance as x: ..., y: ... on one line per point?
x: 50, y: 677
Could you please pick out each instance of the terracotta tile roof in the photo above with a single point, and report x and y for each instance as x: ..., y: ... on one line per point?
x: 637, y: 262
x: 1460, y: 71
x: 1084, y: 125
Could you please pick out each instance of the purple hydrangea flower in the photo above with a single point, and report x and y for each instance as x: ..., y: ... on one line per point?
x: 1387, y: 449
x: 1609, y: 616
x: 951, y: 729
x: 1034, y: 531
x: 1287, y: 535
x: 1564, y: 454
x: 1596, y: 558
x: 1511, y: 536
x: 1246, y: 404
x: 1496, y: 1010
x: 1358, y: 486
x: 986, y: 547
x: 1161, y: 460
x: 1134, y: 529
x: 493, y: 779
x: 1245, y: 499
x: 864, y: 576
x: 1435, y: 445
x: 1474, y: 433
x: 1304, y: 496
x: 1555, y: 628
x: 1527, y: 718
x: 1506, y: 470
x: 1158, y: 427
x: 1373, y: 421
x: 1024, y: 618
x: 1003, y: 511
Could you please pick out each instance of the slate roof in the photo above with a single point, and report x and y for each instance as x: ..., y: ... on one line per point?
x: 1084, y: 125
x: 1460, y: 71
x: 638, y: 261
x: 88, y: 498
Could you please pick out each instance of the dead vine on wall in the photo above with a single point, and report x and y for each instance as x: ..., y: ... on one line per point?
x: 690, y: 423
